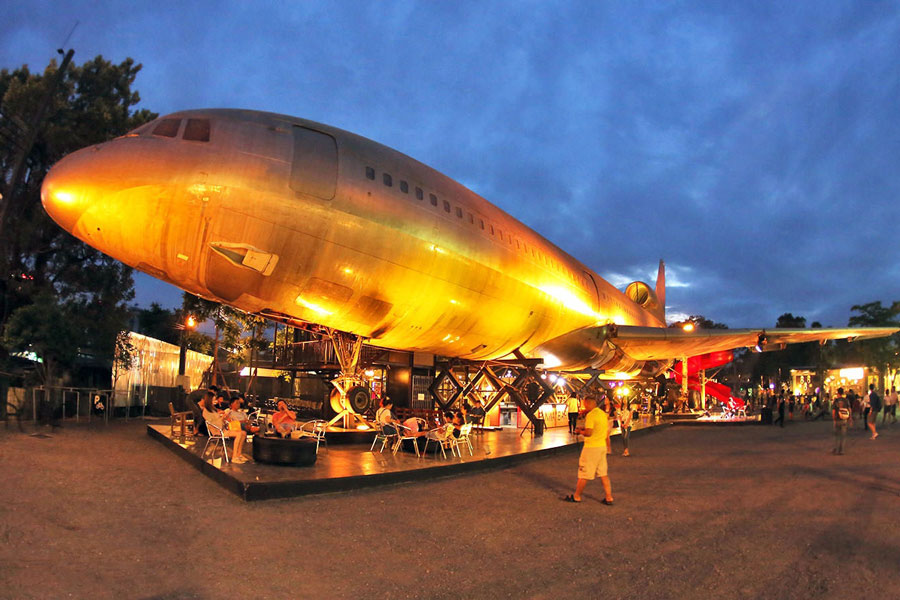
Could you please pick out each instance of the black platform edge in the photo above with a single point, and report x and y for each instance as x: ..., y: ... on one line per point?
x: 253, y: 491
x: 716, y: 423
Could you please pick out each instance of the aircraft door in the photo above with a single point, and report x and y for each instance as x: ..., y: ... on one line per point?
x: 596, y: 294
x: 315, y: 165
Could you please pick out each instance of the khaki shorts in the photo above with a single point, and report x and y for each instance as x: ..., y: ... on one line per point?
x: 592, y: 463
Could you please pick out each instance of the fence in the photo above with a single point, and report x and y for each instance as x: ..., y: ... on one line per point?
x: 53, y: 404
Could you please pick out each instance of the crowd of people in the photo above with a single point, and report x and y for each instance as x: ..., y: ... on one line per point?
x: 448, y: 423
x: 220, y: 411
x: 845, y: 408
x: 866, y: 408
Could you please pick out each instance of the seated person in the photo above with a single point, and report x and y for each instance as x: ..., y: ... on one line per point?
x: 223, y: 400
x: 452, y: 423
x: 235, y: 414
x: 216, y: 418
x: 195, y: 405
x: 384, y: 416
x: 284, y: 421
x: 459, y: 419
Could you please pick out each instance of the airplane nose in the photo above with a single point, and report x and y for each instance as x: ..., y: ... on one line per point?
x: 65, y: 192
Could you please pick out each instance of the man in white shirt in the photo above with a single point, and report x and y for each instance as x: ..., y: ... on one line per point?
x: 592, y: 462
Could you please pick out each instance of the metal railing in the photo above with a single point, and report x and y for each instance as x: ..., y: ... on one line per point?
x: 60, y: 403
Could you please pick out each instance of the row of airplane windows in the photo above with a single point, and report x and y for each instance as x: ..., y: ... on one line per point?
x: 388, y: 180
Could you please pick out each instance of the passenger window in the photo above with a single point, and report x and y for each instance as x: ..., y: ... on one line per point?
x: 388, y: 181
x: 419, y: 194
x: 492, y: 230
x: 167, y: 128
x: 459, y: 212
x: 500, y: 233
x: 433, y: 199
x: 197, y: 130
x: 471, y: 218
x: 370, y: 173
x: 446, y: 206
x: 404, y: 187
x: 482, y: 223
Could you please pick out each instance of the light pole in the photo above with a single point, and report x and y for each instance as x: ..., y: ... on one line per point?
x: 189, y: 324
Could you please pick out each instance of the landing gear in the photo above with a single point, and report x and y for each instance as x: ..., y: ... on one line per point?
x: 350, y: 396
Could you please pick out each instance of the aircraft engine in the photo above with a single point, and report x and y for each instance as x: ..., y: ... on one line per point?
x: 642, y: 295
x: 359, y: 400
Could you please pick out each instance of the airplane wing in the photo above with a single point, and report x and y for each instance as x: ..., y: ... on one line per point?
x: 659, y: 343
x: 604, y: 344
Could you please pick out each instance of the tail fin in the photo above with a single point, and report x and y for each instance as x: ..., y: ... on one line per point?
x: 661, y: 288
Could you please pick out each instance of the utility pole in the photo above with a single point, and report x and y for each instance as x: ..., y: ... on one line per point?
x: 10, y: 198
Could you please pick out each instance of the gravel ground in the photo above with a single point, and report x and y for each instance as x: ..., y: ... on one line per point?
x: 701, y: 512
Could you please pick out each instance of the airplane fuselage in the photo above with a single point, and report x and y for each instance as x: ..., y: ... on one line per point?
x: 277, y: 215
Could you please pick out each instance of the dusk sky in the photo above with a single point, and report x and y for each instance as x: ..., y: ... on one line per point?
x: 752, y: 145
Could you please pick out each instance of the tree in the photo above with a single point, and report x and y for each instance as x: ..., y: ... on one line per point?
x: 45, y: 329
x: 48, y: 276
x: 879, y: 353
x: 789, y: 321
x: 125, y: 357
x: 159, y: 323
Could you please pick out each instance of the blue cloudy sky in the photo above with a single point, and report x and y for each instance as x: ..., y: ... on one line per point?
x: 752, y: 145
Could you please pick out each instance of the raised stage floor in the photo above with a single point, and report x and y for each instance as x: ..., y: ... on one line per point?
x: 352, y: 466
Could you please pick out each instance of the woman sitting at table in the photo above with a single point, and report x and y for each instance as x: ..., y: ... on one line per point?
x: 284, y: 421
x: 214, y: 417
x: 234, y: 413
x: 386, y: 418
x: 453, y: 422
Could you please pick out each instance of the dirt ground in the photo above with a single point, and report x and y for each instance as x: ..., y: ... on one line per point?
x: 741, y: 512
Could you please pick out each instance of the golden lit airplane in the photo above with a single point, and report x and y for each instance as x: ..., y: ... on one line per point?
x: 306, y: 223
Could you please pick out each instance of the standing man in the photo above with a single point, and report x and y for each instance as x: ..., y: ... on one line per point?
x: 592, y: 462
x: 572, y: 403
x: 842, y: 418
x: 781, y: 407
x: 874, y: 409
x: 890, y: 407
x: 625, y: 416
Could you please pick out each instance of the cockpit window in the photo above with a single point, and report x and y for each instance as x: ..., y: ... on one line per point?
x: 167, y: 128
x: 197, y: 130
x: 142, y: 129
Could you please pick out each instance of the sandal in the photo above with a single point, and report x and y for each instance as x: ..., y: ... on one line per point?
x: 607, y: 502
x: 571, y: 498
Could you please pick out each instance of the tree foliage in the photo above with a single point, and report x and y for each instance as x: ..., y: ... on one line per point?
x: 48, y: 275
x: 881, y: 353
